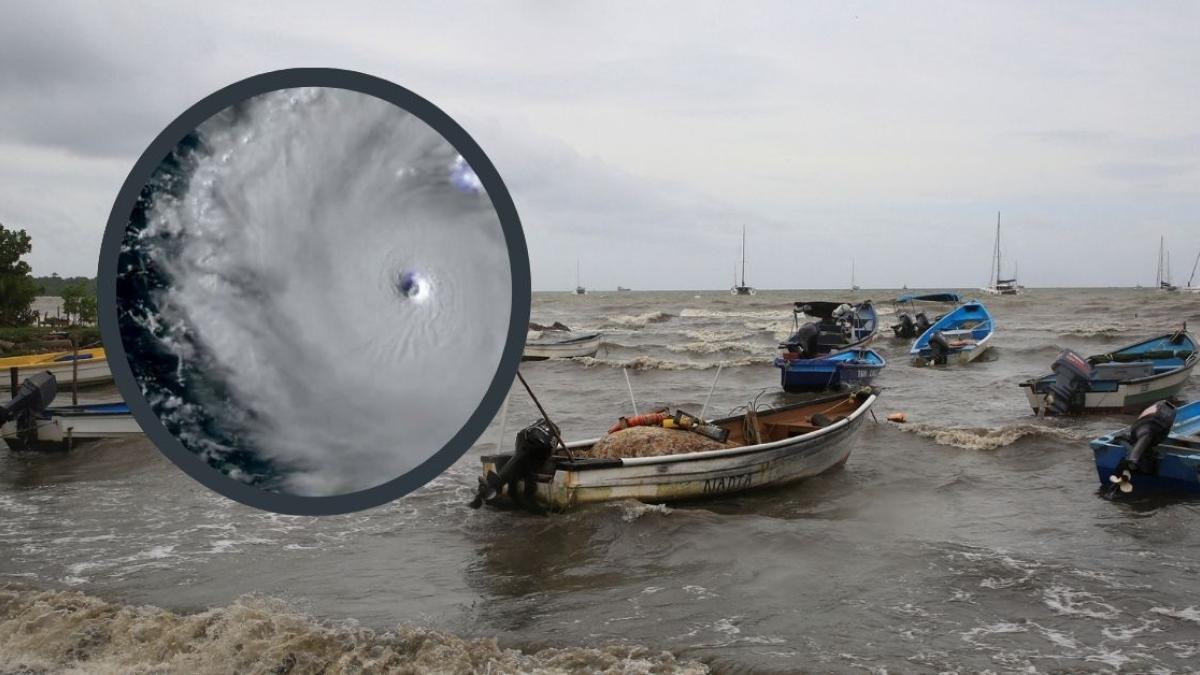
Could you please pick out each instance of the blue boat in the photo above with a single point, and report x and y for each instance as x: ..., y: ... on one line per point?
x: 911, y: 321
x: 1125, y: 380
x: 831, y: 350
x: 851, y: 367
x: 960, y: 336
x: 1160, y: 452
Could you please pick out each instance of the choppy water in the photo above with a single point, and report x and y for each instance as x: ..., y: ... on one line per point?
x: 971, y: 539
x: 314, y: 291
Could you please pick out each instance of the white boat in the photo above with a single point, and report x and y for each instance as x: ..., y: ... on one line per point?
x: 92, y: 368
x: 795, y: 442
x: 996, y: 285
x: 1192, y: 279
x: 741, y: 288
x: 561, y: 345
x: 28, y: 422
x: 1163, y: 283
x: 579, y: 289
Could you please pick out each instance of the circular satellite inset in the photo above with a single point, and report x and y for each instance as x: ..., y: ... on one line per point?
x: 320, y: 289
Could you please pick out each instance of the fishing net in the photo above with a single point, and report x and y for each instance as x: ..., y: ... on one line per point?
x: 652, y: 442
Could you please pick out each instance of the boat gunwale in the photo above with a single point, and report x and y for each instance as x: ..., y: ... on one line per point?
x: 802, y: 439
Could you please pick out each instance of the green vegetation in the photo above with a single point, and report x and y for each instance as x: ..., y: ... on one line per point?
x: 22, y: 340
x: 17, y: 288
x: 55, y: 285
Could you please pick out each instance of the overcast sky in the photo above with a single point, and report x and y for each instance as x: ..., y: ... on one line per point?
x: 643, y: 137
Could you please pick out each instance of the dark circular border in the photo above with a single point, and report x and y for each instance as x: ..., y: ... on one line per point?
x: 110, y: 248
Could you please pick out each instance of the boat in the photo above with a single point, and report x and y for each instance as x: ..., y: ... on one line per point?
x: 856, y: 366
x: 561, y: 345
x: 960, y: 336
x: 1164, y: 272
x: 1190, y: 288
x: 1159, y: 452
x: 92, y: 367
x: 742, y: 288
x: 1122, y: 381
x: 767, y: 448
x: 579, y: 287
x: 853, y: 286
x: 996, y: 285
x: 30, y: 422
x: 622, y: 289
x: 830, y: 351
x: 911, y: 321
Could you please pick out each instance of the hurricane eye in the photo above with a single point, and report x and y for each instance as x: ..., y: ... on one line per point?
x: 412, y: 285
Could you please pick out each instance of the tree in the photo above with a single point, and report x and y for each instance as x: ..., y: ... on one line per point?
x: 17, y: 288
x: 75, y: 301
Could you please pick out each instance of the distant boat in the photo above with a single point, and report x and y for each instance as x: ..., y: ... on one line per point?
x: 1160, y: 452
x: 622, y: 289
x: 579, y: 289
x: 1125, y: 380
x: 853, y: 286
x: 1164, y: 272
x: 1190, y: 288
x: 742, y: 288
x: 996, y: 285
x: 561, y: 345
x: 958, y: 337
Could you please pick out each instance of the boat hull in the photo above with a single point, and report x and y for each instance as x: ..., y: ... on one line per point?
x: 92, y: 371
x: 62, y: 428
x: 970, y: 323
x: 587, y: 346
x: 700, y: 475
x: 806, y: 375
x: 1176, y: 465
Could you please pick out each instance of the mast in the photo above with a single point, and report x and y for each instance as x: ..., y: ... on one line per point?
x: 1158, y: 280
x: 997, y: 281
x: 743, y: 255
x: 1194, y: 265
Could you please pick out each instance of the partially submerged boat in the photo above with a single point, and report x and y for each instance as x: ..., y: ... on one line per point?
x: 561, y: 345
x: 911, y: 319
x: 855, y: 366
x: 92, y: 368
x: 1122, y: 381
x: 761, y: 449
x: 960, y: 336
x: 1160, y: 452
x: 30, y: 422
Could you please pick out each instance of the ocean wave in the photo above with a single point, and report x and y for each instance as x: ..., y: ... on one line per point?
x: 651, y: 363
x: 70, y: 632
x: 638, y: 320
x: 716, y: 348
x: 988, y: 438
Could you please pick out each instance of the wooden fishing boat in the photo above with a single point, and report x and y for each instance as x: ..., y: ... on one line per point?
x: 1160, y: 452
x: 564, y: 345
x: 1121, y: 381
x: 93, y: 367
x: 793, y: 442
x: 960, y: 336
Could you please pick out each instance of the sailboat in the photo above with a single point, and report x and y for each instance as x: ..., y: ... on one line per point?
x: 996, y: 285
x: 1190, y: 288
x: 579, y: 289
x: 1164, y: 273
x: 742, y: 288
x: 853, y: 286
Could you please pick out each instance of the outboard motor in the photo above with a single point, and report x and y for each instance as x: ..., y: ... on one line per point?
x: 1150, y: 429
x: 923, y: 323
x: 1069, y: 389
x: 906, y: 328
x: 939, y: 347
x: 532, y: 450
x: 803, y: 341
x: 33, y: 396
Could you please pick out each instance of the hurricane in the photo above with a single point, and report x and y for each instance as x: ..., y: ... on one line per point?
x: 314, y: 291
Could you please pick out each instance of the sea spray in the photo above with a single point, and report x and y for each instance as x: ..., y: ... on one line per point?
x: 329, y: 291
